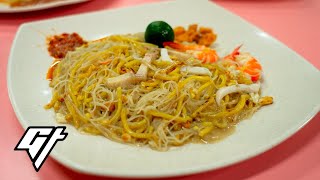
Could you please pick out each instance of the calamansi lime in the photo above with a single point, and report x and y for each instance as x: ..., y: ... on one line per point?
x: 158, y: 32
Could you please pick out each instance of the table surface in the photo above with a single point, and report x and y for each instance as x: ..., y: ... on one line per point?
x: 293, y: 22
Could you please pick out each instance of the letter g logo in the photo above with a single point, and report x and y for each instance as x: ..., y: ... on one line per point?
x: 38, y: 141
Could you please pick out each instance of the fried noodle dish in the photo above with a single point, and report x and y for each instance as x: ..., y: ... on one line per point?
x: 135, y: 92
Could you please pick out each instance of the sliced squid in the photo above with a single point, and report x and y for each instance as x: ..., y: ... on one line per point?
x: 123, y: 80
x: 181, y: 56
x: 143, y: 69
x: 128, y: 79
x: 164, y: 55
x: 252, y: 88
x: 196, y: 70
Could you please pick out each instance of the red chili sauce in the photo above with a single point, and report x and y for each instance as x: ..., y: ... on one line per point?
x: 59, y: 46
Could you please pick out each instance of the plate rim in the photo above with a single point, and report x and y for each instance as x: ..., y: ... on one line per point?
x: 39, y: 7
x: 173, y: 173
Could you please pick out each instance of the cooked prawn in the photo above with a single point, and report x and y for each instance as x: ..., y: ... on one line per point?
x: 234, y: 53
x: 203, y: 53
x: 246, y: 63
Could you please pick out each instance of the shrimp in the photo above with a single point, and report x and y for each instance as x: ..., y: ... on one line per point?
x: 203, y: 53
x: 246, y: 63
x: 234, y: 53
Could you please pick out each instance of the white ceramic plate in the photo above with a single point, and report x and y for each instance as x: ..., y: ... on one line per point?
x: 291, y: 80
x: 7, y: 9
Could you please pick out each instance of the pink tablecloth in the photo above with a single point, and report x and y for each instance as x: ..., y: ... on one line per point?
x: 294, y: 22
